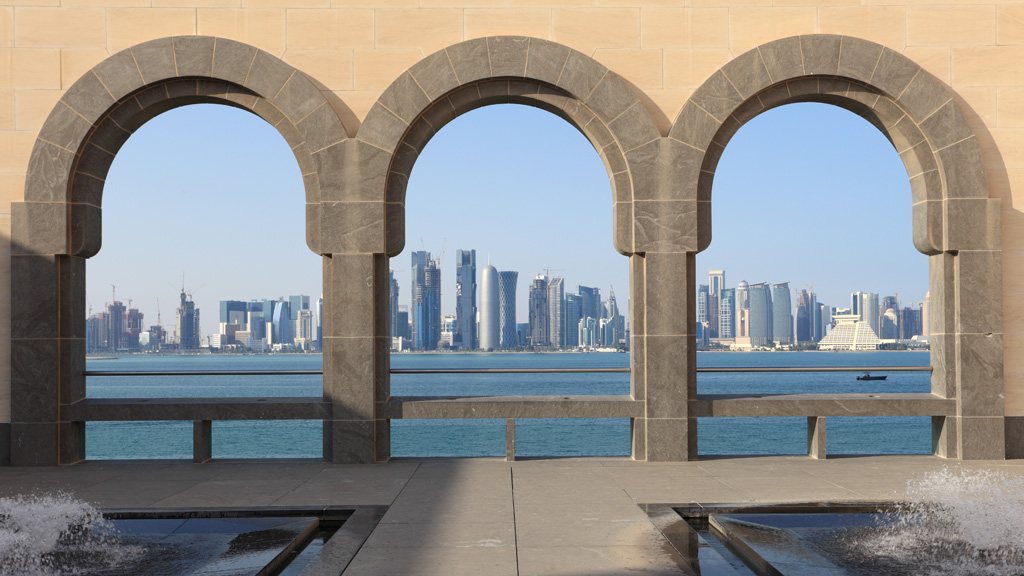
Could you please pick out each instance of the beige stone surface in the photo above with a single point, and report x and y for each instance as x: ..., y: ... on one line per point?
x: 589, y: 29
x: 934, y: 59
x: 15, y: 148
x: 690, y: 68
x: 260, y: 27
x: 1010, y: 24
x: 684, y: 27
x: 7, y: 26
x: 644, y: 68
x: 377, y: 69
x: 320, y: 29
x: 12, y: 188
x: 886, y: 25
x: 428, y: 30
x: 979, y: 104
x: 1010, y: 107
x: 954, y: 25
x: 31, y: 107
x: 74, y: 62
x: 286, y: 3
x: 988, y: 65
x: 332, y: 68
x: 129, y: 26
x: 60, y: 27
x: 32, y: 69
x: 750, y: 27
x: 534, y: 22
x: 7, y: 109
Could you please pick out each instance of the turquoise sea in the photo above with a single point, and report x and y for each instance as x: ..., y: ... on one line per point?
x: 534, y: 437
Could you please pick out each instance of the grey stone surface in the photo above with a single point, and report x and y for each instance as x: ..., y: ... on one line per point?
x: 349, y: 377
x: 980, y: 309
x: 163, y: 409
x: 510, y: 439
x: 782, y: 58
x: 352, y: 227
x: 980, y: 373
x: 434, y: 74
x: 634, y: 128
x: 665, y: 226
x: 926, y: 227
x: 717, y: 96
x: 858, y: 58
x: 348, y: 441
x: 65, y: 127
x: 34, y: 297
x: 49, y: 168
x: 696, y: 128
x: 981, y: 438
x: 893, y: 73
x: 890, y: 404
x: 947, y: 125
x: 821, y: 53
x: 119, y: 74
x: 5, y: 444
x: 816, y: 437
x: 747, y: 73
x: 963, y: 169
x: 39, y: 228
x: 299, y: 97
x: 405, y: 98
x: 232, y: 60
x: 268, y: 75
x: 88, y: 97
x: 202, y: 441
x: 671, y: 439
x: 1014, y: 437
x: 944, y: 436
x: 34, y: 444
x: 382, y: 128
x: 512, y: 407
x: 86, y: 229
x: 546, y: 60
x: 668, y: 292
x: 670, y: 369
x: 507, y: 55
x: 193, y: 55
x: 155, y: 60
x: 611, y: 97
x: 32, y: 362
x: 470, y: 60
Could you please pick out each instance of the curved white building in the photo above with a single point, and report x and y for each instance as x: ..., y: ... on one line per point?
x: 489, y: 319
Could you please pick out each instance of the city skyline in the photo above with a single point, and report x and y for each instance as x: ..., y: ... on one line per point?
x: 236, y: 223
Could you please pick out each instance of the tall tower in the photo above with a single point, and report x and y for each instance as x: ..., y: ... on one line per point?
x: 507, y: 308
x: 392, y: 305
x: 925, y: 318
x: 716, y: 281
x: 727, y: 313
x: 760, y: 317
x: 782, y: 314
x: 188, y: 323
x: 539, y: 311
x: 556, y: 313
x: 465, y: 299
x: 742, y: 290
x: 416, y: 281
x: 490, y: 321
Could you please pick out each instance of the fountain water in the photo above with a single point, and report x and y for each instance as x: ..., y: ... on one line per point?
x: 955, y: 521
x: 57, y: 535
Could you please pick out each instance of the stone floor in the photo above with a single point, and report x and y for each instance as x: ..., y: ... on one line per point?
x: 553, y: 517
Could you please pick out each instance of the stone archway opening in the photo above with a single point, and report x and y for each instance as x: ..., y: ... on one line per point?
x: 811, y: 205
x: 204, y: 201
x: 523, y: 190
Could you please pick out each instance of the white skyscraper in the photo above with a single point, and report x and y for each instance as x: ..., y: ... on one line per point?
x: 489, y: 318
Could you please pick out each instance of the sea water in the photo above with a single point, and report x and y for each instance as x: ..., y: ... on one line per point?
x: 534, y: 437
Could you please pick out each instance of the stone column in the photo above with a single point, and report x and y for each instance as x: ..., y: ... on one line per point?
x: 356, y: 357
x: 670, y: 354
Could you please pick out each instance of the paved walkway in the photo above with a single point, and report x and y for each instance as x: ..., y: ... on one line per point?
x: 551, y: 517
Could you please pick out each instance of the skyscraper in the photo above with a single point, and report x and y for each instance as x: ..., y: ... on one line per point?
x: 716, y: 282
x: 782, y: 314
x: 490, y: 320
x: 590, y: 304
x: 868, y: 309
x: 465, y: 300
x: 760, y: 316
x: 556, y: 313
x: 573, y: 314
x: 703, y: 295
x: 426, y: 309
x: 507, y: 308
x: 392, y: 304
x: 617, y: 324
x: 727, y: 313
x: 539, y: 331
x: 742, y: 289
x: 804, y: 318
x: 188, y: 323
x: 925, y: 317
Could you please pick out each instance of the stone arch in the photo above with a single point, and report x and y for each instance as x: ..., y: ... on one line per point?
x: 58, y: 225
x: 508, y: 69
x: 955, y: 222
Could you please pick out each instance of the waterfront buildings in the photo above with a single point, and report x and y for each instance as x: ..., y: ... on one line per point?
x: 188, y: 323
x: 490, y: 319
x: 426, y: 301
x: 507, y: 309
x: 782, y: 314
x: 556, y: 313
x: 761, y: 314
x: 850, y: 333
x: 465, y: 300
x: 539, y: 331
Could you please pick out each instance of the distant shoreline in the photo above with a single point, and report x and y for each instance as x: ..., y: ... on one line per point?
x: 477, y: 352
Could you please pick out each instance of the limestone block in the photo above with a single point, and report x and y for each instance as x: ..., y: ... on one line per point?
x: 642, y: 68
x: 589, y: 29
x: 1010, y: 107
x: 671, y: 439
x: 669, y: 278
x: 1010, y: 24
x: 972, y: 224
x: 622, y: 228
x: 376, y: 69
x: 717, y: 96
x: 12, y: 189
x: 671, y: 367
x: 349, y: 441
x: 34, y: 444
x: 935, y: 59
x: 980, y: 374
x: 533, y: 22
x: 352, y: 227
x: 330, y: 68
x: 689, y: 68
x: 885, y: 25
x: 31, y: 69
x: 286, y: 3
x: 978, y: 104
x: 262, y: 28
x: 979, y: 307
x: 324, y: 29
x: 428, y: 30
x: 7, y: 110
x: 552, y: 3
x: 988, y: 65
x: 750, y: 27
x: 61, y: 27
x: 32, y: 107
x: 748, y: 75
x: 200, y: 4
x: 981, y: 438
x: 15, y: 148
x: 963, y: 169
x: 956, y: 25
x: 129, y: 26
x: 821, y: 53
x: 684, y: 27
x: 462, y: 3
x: 7, y: 26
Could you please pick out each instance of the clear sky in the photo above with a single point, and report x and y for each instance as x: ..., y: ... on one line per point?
x: 805, y: 193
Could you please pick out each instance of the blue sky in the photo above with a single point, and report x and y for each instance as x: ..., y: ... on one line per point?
x: 805, y: 193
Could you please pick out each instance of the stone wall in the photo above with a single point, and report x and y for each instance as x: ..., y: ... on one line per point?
x: 354, y: 50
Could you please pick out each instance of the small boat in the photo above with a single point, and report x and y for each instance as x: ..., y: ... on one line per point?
x: 868, y: 376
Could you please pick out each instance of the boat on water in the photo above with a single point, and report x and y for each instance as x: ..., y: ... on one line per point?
x: 868, y: 376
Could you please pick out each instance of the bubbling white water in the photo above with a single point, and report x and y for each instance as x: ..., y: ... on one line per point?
x: 56, y: 535
x: 955, y: 521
